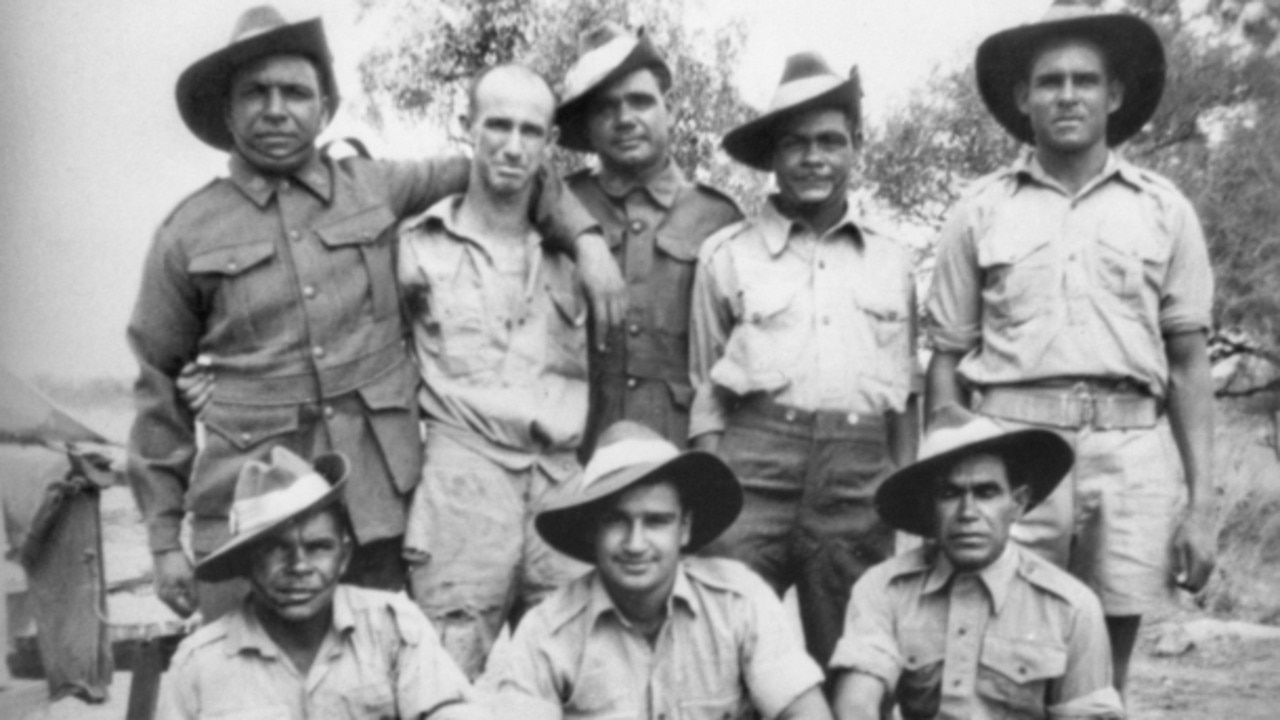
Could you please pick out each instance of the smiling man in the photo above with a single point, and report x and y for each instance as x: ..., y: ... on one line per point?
x: 300, y: 645
x: 651, y: 633
x: 972, y: 626
x: 499, y: 331
x: 803, y: 354
x: 1073, y: 292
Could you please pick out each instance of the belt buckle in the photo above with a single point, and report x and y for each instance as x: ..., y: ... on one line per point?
x: 1088, y: 404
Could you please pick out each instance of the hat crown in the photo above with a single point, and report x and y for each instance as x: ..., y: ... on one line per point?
x: 601, y: 35
x: 256, y: 21
x: 1071, y: 9
x: 627, y: 444
x: 806, y: 65
x: 954, y: 427
x: 258, y: 478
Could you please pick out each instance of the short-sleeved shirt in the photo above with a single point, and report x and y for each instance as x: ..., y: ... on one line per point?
x: 1019, y: 639
x: 819, y: 323
x: 1032, y: 282
x: 724, y: 648
x: 500, y: 333
x: 380, y: 659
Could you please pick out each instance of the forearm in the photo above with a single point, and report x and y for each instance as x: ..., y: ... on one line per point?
x: 904, y: 432
x: 565, y: 223
x: 809, y: 706
x: 1191, y: 412
x: 942, y: 382
x: 858, y: 696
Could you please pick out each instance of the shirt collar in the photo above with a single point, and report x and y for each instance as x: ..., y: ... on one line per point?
x: 996, y: 577
x: 779, y: 229
x: 444, y: 216
x: 315, y: 175
x: 599, y: 603
x: 245, y: 633
x: 663, y: 186
x: 1028, y: 169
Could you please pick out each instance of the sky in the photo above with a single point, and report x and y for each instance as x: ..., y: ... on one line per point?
x: 97, y: 155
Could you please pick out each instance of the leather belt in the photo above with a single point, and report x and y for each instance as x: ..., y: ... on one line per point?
x: 1080, y: 405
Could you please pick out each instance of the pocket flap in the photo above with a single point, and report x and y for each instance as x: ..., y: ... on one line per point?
x: 922, y: 648
x: 231, y: 260
x: 1024, y: 661
x: 763, y: 302
x: 393, y: 391
x: 247, y: 425
x: 679, y: 247
x: 363, y: 228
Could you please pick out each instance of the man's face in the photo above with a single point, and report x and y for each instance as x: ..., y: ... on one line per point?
x: 295, y: 570
x: 628, y: 124
x: 638, y: 541
x: 276, y: 111
x: 1068, y: 98
x: 510, y: 129
x: 813, y: 156
x: 974, y: 507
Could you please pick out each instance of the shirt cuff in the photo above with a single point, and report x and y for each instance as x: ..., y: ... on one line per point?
x: 164, y: 533
x: 778, y: 682
x: 853, y: 655
x: 1101, y: 704
x: 955, y: 340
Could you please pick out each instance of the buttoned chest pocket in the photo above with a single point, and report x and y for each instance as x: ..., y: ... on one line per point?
x: 359, y: 241
x: 246, y: 284
x: 1020, y: 277
x: 1128, y: 260
x: 1016, y: 673
x: 919, y: 689
x: 453, y: 313
x: 671, y: 287
x: 372, y: 701
x: 884, y: 302
x: 763, y: 343
x: 599, y: 697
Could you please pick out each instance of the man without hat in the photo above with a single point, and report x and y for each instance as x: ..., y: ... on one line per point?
x: 499, y: 331
x: 1072, y: 291
x: 972, y: 625
x: 616, y: 105
x: 300, y: 644
x: 803, y: 354
x: 652, y: 633
x: 279, y: 275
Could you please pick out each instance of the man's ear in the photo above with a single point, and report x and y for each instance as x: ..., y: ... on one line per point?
x: 686, y: 528
x: 1021, y: 495
x: 1021, y: 93
x: 1115, y: 96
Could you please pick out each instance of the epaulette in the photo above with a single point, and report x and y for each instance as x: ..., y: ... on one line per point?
x: 204, y: 636
x: 1052, y: 579
x: 190, y: 196
x: 721, y: 237
x: 985, y: 182
x: 406, y: 615
x: 724, y: 574
x: 721, y: 195
x: 567, y: 602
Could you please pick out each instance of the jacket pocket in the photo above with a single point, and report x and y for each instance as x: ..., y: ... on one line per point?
x: 243, y: 283
x: 392, y: 406
x: 362, y: 233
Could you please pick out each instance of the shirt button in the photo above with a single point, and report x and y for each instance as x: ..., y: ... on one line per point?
x: 634, y: 329
x: 962, y: 632
x: 309, y: 291
x: 1022, y: 671
x: 822, y: 265
x: 317, y: 351
x: 791, y: 416
x: 328, y: 411
x: 637, y: 226
x: 245, y: 437
x: 294, y: 235
x: 232, y: 265
x: 632, y: 383
x: 826, y: 320
x: 956, y: 683
x: 284, y: 186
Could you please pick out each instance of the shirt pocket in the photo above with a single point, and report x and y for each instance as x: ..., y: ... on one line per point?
x: 761, y: 347
x: 672, y: 284
x: 1129, y: 259
x: 1016, y: 673
x: 241, y: 283
x: 1020, y: 277
x: 567, y: 333
x: 376, y: 702
x: 724, y: 708
x: 919, y: 688
x: 362, y: 234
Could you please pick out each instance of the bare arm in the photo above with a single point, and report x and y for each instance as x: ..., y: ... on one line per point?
x: 859, y: 696
x: 809, y: 706
x: 942, y: 384
x: 1191, y: 418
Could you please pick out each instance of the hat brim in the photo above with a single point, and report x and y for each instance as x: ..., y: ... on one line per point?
x: 203, y: 88
x: 1134, y: 53
x: 571, y: 115
x: 708, y: 488
x: 904, y: 499
x: 752, y: 142
x: 229, y: 561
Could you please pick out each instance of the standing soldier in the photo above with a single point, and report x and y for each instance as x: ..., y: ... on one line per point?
x: 654, y: 220
x: 1073, y: 292
x: 802, y: 355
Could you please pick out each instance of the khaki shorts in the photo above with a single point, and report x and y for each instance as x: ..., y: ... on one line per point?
x: 1111, y: 521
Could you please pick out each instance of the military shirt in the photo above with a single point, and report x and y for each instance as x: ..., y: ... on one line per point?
x: 655, y: 229
x: 819, y: 323
x: 725, y: 651
x: 381, y: 659
x: 1019, y: 639
x: 1034, y: 283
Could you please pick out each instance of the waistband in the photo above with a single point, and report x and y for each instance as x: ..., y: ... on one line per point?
x: 239, y: 387
x: 1082, y: 404
x: 760, y: 410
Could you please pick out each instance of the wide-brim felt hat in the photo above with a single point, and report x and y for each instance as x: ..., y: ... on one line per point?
x: 808, y: 82
x: 268, y: 496
x: 1038, y: 459
x: 608, y: 53
x: 629, y: 453
x: 1133, y: 51
x: 204, y: 87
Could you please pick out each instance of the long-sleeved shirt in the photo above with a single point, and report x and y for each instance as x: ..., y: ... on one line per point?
x: 818, y: 323
x: 1033, y: 282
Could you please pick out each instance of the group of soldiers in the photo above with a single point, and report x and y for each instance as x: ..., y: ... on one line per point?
x: 403, y: 366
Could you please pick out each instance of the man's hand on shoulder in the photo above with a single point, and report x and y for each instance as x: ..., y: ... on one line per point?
x: 603, y: 282
x: 175, y: 581
x: 195, y: 384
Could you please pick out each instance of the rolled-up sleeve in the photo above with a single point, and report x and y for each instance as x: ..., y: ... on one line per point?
x: 868, y: 644
x: 710, y: 322
x: 776, y: 667
x: 521, y: 677
x: 1085, y: 689
x: 953, y: 310
x: 1186, y: 299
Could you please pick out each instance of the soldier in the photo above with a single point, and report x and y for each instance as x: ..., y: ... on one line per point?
x: 803, y: 354
x: 1073, y: 292
x: 279, y: 275
x: 973, y: 626
x: 616, y: 106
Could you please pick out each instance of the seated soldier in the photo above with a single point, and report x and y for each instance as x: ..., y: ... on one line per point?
x: 649, y: 633
x: 301, y: 645
x: 971, y: 625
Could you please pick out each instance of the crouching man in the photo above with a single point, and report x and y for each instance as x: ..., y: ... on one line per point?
x: 973, y: 626
x: 649, y: 633
x: 300, y: 645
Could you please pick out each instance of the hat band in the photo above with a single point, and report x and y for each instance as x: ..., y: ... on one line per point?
x: 597, y: 63
x: 797, y: 91
x: 626, y: 453
x: 253, y: 514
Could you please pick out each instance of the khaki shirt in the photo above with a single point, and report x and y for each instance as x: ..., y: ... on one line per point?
x: 655, y: 229
x: 500, y: 334
x: 1020, y: 639
x: 380, y: 659
x: 819, y: 323
x: 1032, y: 283
x: 725, y: 648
